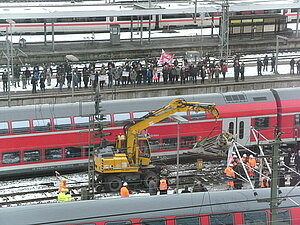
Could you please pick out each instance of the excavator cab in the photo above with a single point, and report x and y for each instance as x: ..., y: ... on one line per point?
x: 144, y: 150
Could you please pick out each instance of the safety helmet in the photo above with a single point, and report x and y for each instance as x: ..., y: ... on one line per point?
x: 231, y: 165
x: 244, y: 155
x: 64, y: 179
x: 234, y: 156
x: 251, y: 156
x: 125, y: 184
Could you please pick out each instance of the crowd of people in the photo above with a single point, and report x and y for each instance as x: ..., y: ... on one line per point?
x: 134, y: 73
x: 240, y: 169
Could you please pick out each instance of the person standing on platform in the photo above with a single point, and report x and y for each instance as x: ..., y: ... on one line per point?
x: 242, y: 71
x: 236, y: 67
x: 230, y: 176
x: 259, y: 67
x: 124, y: 192
x: 292, y: 65
x: 251, y: 164
x: 163, y: 186
x: 264, y: 182
x: 273, y: 62
x: 152, y: 187
x: 5, y: 80
x: 266, y: 62
x: 34, y: 83
x: 224, y: 70
x: 217, y: 74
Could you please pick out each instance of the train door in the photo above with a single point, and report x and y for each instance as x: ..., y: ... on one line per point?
x: 239, y: 127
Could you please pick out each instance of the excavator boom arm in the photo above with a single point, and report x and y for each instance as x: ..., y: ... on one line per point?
x: 177, y: 105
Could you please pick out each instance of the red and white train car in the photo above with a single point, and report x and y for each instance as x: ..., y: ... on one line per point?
x: 56, y: 137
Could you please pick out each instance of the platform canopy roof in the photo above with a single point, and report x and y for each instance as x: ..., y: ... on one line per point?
x: 118, y: 8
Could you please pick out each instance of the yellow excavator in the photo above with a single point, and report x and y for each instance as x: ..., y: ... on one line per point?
x: 130, y: 161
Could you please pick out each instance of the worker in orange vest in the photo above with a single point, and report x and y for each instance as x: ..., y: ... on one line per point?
x: 251, y: 164
x: 265, y: 182
x: 124, y: 190
x: 230, y: 176
x: 163, y: 186
x: 63, y: 185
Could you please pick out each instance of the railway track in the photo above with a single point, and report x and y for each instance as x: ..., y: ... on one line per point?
x: 40, y: 193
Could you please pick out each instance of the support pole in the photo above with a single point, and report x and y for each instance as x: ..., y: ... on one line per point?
x: 177, y: 158
x: 12, y: 65
x: 149, y: 37
x: 277, y: 50
x: 274, y: 182
x: 141, y: 30
x: 53, y: 48
x: 131, y: 28
x: 45, y: 32
x: 8, y: 67
x: 297, y: 24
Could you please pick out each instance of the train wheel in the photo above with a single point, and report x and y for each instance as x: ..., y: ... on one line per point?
x: 113, y: 183
x: 147, y: 176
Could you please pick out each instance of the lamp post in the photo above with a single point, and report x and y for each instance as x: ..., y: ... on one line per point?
x: 278, y: 37
x: 11, y: 23
x: 180, y: 120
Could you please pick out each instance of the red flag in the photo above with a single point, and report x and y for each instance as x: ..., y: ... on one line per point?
x: 165, y: 57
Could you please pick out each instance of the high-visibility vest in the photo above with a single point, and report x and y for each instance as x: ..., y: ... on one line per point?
x: 252, y: 162
x: 61, y: 197
x: 68, y: 198
x: 62, y: 185
x: 229, y: 172
x: 163, y: 185
x: 244, y: 159
x: 124, y: 192
x: 264, y: 184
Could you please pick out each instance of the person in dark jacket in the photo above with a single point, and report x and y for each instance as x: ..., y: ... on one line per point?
x: 185, y: 190
x: 152, y: 187
x: 33, y: 82
x: 297, y: 161
x: 259, y: 67
x: 242, y: 71
x: 292, y: 64
x: 266, y: 62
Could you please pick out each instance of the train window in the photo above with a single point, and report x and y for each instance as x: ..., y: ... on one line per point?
x: 187, y: 220
x: 52, y: 154
x: 297, y: 120
x: 106, y: 121
x: 241, y: 129
x: 81, y: 122
x: 32, y: 156
x: 235, y: 21
x: 3, y: 128
x: 247, y: 21
x: 253, y: 218
x: 19, y: 127
x: 262, y: 123
x: 72, y: 152
x: 119, y: 223
x: 283, y: 217
x: 258, y: 20
x: 10, y: 158
x: 121, y: 119
x: 157, y: 221
x: 169, y: 143
x: 155, y: 145
x: 187, y: 141
x: 182, y: 114
x: 221, y: 219
x: 139, y: 114
x: 197, y: 115
x: 62, y: 123
x: 87, y: 151
x: 41, y: 125
x: 231, y: 128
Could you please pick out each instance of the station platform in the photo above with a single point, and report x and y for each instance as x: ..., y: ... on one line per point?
x: 38, y: 53
x: 55, y: 96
